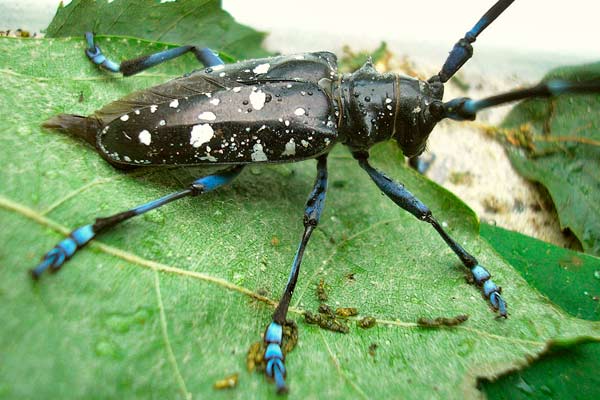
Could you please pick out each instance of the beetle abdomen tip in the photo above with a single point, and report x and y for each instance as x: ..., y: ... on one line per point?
x: 78, y: 125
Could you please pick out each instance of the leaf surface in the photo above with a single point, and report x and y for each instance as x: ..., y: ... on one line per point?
x: 571, y: 280
x: 168, y: 303
x: 557, y: 143
x: 203, y: 23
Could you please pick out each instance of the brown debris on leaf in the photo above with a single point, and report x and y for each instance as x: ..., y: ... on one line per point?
x: 441, y: 321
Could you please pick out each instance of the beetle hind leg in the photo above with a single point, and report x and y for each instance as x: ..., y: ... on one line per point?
x: 63, y: 251
x: 274, y: 356
x: 130, y: 67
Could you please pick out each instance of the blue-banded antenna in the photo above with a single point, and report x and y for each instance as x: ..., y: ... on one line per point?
x: 462, y: 50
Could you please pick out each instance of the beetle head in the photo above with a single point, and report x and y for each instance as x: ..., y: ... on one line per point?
x: 416, y: 113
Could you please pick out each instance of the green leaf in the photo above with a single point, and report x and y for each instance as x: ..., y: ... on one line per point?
x: 168, y: 304
x: 560, y: 147
x: 203, y: 23
x: 562, y: 374
x: 571, y: 280
x: 351, y: 61
x: 568, y: 278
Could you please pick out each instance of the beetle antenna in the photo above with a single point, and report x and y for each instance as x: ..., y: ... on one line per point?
x: 464, y: 108
x: 462, y: 50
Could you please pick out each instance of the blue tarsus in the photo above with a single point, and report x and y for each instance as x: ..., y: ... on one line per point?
x: 274, y: 356
x: 95, y: 55
x: 490, y: 290
x: 63, y: 251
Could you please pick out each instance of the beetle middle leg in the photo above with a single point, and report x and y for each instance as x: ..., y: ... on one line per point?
x: 130, y: 67
x: 402, y: 197
x: 274, y: 334
x: 63, y: 251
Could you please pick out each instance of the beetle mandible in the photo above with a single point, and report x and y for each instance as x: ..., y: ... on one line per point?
x: 279, y: 110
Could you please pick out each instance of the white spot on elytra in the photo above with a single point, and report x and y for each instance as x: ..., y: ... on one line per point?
x: 388, y: 100
x: 290, y: 148
x: 237, y: 89
x: 300, y: 111
x: 257, y: 99
x: 257, y: 153
x: 137, y: 112
x: 304, y: 143
x: 416, y: 110
x: 162, y: 122
x: 207, y: 115
x: 201, y: 134
x: 215, y: 102
x: 287, y: 123
x: 222, y: 74
x: 174, y: 103
x: 262, y: 68
x: 153, y: 108
x: 124, y: 117
x: 145, y: 137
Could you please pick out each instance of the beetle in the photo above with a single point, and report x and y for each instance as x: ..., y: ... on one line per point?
x: 279, y: 110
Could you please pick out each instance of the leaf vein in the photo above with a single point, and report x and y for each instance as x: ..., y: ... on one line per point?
x: 165, y: 335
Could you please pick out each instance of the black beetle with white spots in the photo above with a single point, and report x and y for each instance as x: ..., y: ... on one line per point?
x: 280, y: 110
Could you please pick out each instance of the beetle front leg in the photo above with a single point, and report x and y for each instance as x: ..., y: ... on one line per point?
x: 130, y: 67
x: 410, y: 203
x: 274, y: 334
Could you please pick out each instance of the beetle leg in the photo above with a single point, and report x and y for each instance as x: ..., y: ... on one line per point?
x: 63, y: 251
x: 399, y: 195
x: 129, y: 67
x: 274, y: 334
